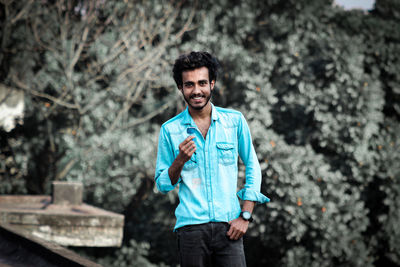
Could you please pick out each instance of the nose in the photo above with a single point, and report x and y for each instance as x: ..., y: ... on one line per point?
x: 196, y: 89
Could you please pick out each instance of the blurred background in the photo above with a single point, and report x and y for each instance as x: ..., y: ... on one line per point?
x: 86, y: 85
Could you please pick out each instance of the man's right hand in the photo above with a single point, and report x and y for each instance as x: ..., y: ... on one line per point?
x: 186, y: 149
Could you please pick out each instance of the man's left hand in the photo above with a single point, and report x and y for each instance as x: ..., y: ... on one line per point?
x: 237, y: 229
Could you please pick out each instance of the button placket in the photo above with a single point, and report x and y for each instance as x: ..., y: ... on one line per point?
x: 208, y: 170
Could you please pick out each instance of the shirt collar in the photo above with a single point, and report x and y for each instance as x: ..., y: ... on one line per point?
x: 188, y: 120
x: 214, y: 113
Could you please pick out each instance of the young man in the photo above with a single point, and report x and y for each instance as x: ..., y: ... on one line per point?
x: 198, y: 149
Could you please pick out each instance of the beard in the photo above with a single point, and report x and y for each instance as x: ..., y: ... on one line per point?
x: 197, y: 95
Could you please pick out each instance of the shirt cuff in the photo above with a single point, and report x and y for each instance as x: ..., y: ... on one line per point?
x: 252, y: 195
x: 164, y: 182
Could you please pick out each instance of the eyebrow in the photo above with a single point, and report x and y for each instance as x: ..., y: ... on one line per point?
x: 187, y: 83
x: 199, y: 81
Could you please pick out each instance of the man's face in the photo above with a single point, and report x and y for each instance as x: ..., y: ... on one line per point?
x: 196, y: 88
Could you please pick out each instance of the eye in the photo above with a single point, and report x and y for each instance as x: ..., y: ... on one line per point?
x: 203, y: 83
x: 188, y: 85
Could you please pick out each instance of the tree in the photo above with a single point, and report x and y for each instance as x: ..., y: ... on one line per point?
x: 315, y: 89
x: 94, y: 74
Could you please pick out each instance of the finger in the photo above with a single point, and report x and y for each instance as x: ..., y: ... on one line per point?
x: 188, y: 145
x: 188, y: 148
x: 184, y: 143
x: 229, y: 233
x: 188, y: 139
x: 240, y: 234
x: 235, y: 235
x: 191, y: 152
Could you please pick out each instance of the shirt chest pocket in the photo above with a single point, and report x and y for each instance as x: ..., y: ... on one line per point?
x: 226, y: 153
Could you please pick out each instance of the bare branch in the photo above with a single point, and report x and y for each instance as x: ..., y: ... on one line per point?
x: 80, y: 48
x: 127, y: 105
x: 6, y: 2
x: 88, y: 19
x: 185, y: 28
x: 60, y: 175
x: 37, y: 38
x: 150, y: 115
x: 26, y: 88
x: 22, y: 12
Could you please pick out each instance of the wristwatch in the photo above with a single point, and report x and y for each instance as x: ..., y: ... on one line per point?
x: 246, y: 216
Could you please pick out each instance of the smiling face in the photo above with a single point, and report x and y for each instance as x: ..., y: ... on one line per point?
x: 196, y: 88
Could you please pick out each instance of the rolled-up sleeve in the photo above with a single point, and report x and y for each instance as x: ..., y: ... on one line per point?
x: 251, y: 190
x: 165, y: 157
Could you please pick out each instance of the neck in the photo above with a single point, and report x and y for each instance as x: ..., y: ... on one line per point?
x: 201, y: 114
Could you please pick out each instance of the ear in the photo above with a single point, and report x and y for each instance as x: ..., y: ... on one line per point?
x: 212, y: 84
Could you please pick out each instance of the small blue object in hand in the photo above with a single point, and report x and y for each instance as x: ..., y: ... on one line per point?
x: 191, y: 130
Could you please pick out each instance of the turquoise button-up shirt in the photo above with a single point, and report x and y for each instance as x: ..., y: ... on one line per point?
x: 208, y: 181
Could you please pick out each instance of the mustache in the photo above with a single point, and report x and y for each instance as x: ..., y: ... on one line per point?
x: 197, y: 95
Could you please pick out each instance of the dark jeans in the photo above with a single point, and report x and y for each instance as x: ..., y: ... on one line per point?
x: 208, y: 245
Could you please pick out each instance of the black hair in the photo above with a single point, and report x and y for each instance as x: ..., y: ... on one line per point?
x: 195, y: 60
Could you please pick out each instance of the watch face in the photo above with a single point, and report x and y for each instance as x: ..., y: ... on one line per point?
x: 246, y: 215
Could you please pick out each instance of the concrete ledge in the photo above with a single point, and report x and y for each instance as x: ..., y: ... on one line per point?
x: 68, y: 225
x: 67, y: 193
x: 19, y: 248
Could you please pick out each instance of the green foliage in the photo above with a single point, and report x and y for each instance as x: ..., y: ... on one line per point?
x: 94, y: 73
x: 387, y: 145
x: 388, y: 9
x: 134, y: 254
x: 313, y: 90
